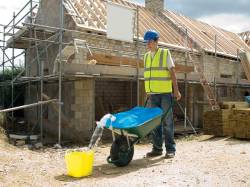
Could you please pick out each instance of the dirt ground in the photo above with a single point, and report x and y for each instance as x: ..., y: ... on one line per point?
x: 200, y: 161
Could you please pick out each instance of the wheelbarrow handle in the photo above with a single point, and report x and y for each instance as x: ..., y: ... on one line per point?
x: 165, y: 113
x: 146, y: 102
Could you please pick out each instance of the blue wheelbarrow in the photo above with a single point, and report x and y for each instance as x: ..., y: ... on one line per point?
x: 129, y: 128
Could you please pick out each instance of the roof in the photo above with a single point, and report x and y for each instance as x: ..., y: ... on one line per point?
x: 205, y: 35
x: 91, y: 14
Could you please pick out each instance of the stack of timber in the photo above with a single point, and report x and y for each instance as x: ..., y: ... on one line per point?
x: 232, y: 120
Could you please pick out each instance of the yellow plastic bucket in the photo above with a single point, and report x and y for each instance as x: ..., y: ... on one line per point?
x: 79, y: 163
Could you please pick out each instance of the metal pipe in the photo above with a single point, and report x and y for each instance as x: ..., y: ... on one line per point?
x: 60, y: 70
x: 9, y: 60
x: 74, y: 77
x: 40, y: 74
x: 215, y: 53
x: 191, y: 125
x: 39, y: 40
x: 14, y: 57
x: 18, y: 14
x: 41, y: 98
x: 15, y: 25
x: 12, y: 72
x: 237, y: 76
x: 185, y: 82
x: 3, y: 68
x: 138, y: 56
x: 18, y: 75
x: 28, y: 105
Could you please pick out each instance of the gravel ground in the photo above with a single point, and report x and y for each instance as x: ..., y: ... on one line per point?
x: 200, y: 161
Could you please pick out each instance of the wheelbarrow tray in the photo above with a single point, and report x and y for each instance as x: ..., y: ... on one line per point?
x: 141, y: 130
x: 137, y: 122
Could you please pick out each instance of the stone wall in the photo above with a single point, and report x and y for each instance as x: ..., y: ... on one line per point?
x: 112, y: 96
x: 82, y: 109
x: 221, y: 68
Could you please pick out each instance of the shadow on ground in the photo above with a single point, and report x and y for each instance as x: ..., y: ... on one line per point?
x: 109, y: 170
x: 229, y: 140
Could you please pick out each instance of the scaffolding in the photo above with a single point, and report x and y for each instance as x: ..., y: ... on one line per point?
x: 26, y: 16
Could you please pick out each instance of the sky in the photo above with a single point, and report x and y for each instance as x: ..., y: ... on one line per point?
x: 232, y: 15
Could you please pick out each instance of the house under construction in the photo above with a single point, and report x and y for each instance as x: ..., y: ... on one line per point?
x: 74, y: 73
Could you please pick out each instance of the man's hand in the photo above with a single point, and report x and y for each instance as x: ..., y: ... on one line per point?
x: 177, y: 95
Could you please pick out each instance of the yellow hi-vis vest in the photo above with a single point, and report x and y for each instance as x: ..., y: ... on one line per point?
x: 156, y: 73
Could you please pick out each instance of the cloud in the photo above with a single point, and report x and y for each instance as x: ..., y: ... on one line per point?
x: 228, y: 14
x: 237, y: 23
x: 2, y: 7
x: 198, y: 8
x: 7, y: 9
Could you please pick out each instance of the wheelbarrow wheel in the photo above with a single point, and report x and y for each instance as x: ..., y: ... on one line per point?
x: 121, y: 153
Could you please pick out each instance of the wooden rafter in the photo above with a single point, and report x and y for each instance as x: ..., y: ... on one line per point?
x: 92, y: 11
x: 72, y: 8
x: 100, y: 12
x: 84, y: 12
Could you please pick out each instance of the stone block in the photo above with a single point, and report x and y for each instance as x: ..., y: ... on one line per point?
x: 78, y: 85
x: 80, y: 93
x: 78, y: 115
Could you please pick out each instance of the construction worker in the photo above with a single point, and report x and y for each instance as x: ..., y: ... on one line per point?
x: 160, y: 85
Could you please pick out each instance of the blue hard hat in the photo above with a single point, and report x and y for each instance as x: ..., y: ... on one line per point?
x: 151, y: 35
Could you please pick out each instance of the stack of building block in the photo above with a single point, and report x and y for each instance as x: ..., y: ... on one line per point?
x: 239, y: 122
x: 214, y: 122
x: 231, y: 105
x: 233, y: 121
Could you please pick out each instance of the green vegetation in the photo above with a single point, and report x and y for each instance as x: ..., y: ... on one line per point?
x: 5, y: 91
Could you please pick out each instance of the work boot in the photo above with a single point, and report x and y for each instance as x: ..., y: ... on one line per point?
x: 154, y: 153
x: 169, y: 155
